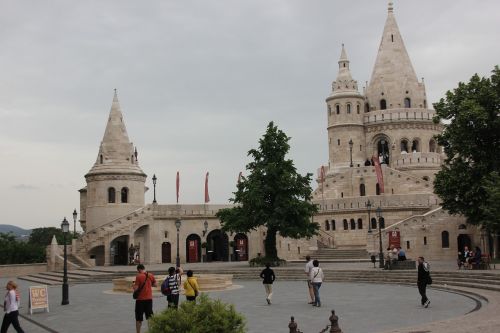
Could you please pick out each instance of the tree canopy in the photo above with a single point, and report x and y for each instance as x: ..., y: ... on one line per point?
x: 471, y: 141
x: 273, y: 195
x: 14, y: 251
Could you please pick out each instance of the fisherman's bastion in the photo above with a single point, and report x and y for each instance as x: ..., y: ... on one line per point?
x: 385, y: 129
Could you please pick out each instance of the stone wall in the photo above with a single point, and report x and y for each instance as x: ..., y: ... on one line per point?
x: 11, y: 271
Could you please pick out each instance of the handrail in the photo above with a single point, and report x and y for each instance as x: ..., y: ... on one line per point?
x: 115, y: 220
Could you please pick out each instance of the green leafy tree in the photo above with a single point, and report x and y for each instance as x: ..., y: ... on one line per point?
x: 13, y: 251
x: 273, y: 195
x: 491, y: 206
x: 208, y: 316
x: 471, y: 141
x: 43, y: 236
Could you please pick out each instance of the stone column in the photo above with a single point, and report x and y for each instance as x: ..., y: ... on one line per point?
x: 107, y: 252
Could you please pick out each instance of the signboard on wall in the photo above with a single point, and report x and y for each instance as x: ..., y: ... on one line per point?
x: 394, y: 238
x: 38, y: 298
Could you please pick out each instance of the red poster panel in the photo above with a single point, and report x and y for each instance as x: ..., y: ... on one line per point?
x: 394, y: 238
x: 241, y: 246
x: 193, y: 251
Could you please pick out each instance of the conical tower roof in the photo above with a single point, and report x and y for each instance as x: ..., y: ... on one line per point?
x: 344, y: 83
x: 393, y: 77
x: 116, y: 153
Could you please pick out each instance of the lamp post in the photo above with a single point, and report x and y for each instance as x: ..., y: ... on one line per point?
x: 380, y: 254
x: 178, y: 227
x: 65, y: 291
x: 154, y: 188
x: 350, y: 149
x: 369, y: 208
x: 75, y: 214
x: 205, y: 228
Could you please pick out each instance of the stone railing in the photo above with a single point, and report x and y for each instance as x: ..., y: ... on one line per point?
x: 399, y: 114
x: 417, y: 159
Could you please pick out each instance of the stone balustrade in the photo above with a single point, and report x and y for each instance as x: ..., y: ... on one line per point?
x: 400, y: 114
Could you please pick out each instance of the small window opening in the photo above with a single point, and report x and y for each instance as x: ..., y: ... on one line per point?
x: 383, y: 104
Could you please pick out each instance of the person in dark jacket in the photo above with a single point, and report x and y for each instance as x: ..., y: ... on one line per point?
x: 268, y: 277
x: 423, y: 279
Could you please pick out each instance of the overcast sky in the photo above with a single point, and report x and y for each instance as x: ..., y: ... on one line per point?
x: 198, y: 81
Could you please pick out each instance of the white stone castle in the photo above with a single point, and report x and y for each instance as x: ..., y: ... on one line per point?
x: 389, y: 124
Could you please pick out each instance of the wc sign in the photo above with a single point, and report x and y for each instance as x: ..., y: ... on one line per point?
x: 394, y: 238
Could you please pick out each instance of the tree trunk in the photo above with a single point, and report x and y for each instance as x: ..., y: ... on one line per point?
x: 270, y: 244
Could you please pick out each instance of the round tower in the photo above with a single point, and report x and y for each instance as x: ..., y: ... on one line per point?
x: 116, y: 183
x: 346, y: 136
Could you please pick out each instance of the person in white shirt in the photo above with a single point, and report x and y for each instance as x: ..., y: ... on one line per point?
x: 307, y: 270
x: 316, y: 276
x: 11, y: 308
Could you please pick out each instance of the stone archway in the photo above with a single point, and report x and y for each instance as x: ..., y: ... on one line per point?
x: 193, y: 248
x: 463, y: 240
x: 119, y: 251
x: 142, y: 242
x: 97, y: 254
x: 217, y: 246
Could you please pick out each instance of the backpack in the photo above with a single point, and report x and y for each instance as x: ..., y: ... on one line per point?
x: 165, y: 287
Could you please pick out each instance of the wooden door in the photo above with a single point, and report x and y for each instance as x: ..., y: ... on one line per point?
x: 241, y: 246
x: 166, y: 252
x: 193, y: 250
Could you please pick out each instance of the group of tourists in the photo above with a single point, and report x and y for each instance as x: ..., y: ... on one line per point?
x: 468, y: 258
x: 314, y: 276
x: 170, y: 287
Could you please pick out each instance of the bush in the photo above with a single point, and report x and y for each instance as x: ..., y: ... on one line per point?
x: 262, y: 261
x: 207, y: 316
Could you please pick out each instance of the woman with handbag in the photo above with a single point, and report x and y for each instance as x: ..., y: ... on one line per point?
x: 316, y: 277
x: 191, y: 287
x: 11, y: 308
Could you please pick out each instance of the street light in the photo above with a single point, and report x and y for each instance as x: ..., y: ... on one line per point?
x: 350, y: 148
x: 205, y: 228
x: 75, y: 214
x: 65, y: 291
x: 178, y: 227
x: 380, y: 254
x: 154, y: 188
x: 369, y: 208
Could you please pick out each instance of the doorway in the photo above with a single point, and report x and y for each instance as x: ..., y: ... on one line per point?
x: 217, y: 246
x: 193, y: 248
x: 119, y: 251
x: 166, y: 252
x: 463, y: 240
x: 241, y: 247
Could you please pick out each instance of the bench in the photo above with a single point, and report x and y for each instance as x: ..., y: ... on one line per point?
x: 484, y: 263
x: 400, y: 265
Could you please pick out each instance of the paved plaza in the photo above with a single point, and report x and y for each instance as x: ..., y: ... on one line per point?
x: 361, y: 307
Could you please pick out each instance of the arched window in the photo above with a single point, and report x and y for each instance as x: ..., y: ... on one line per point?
x: 404, y: 146
x: 445, y: 239
x: 348, y: 108
x: 337, y: 108
x: 362, y: 190
x: 360, y: 224
x: 415, y: 147
x: 367, y: 107
x: 382, y: 223
x: 374, y: 223
x: 346, y: 225
x: 111, y: 195
x: 425, y: 104
x: 358, y: 108
x: 353, y: 224
x: 383, y: 104
x: 407, y: 103
x: 377, y: 189
x: 327, y: 225
x: 124, y: 195
x: 101, y: 159
x: 432, y: 146
x: 333, y: 225
x: 329, y: 110
x: 132, y: 159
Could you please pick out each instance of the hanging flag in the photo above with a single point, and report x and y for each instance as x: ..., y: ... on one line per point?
x: 177, y: 186
x: 239, y: 177
x: 207, y: 197
x: 322, y: 177
x: 380, y: 175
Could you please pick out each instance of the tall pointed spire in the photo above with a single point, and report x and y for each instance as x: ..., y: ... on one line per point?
x: 344, y: 81
x: 116, y: 152
x: 393, y: 78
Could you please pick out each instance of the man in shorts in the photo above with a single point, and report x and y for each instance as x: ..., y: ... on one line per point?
x: 144, y: 302
x: 307, y: 271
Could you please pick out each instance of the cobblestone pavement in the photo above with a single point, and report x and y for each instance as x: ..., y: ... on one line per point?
x: 361, y: 307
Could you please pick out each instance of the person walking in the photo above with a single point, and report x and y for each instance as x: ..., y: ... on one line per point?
x: 144, y: 281
x: 307, y: 271
x: 191, y: 287
x: 268, y: 277
x: 423, y: 279
x: 174, y: 283
x: 316, y: 277
x: 11, y: 308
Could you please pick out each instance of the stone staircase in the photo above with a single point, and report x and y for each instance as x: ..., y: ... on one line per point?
x: 344, y: 254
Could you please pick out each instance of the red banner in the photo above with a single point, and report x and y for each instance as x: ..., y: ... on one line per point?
x: 380, y: 175
x: 207, y: 197
x: 394, y: 239
x: 177, y: 186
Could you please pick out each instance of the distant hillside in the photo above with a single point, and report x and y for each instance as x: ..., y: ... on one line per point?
x: 6, y: 228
